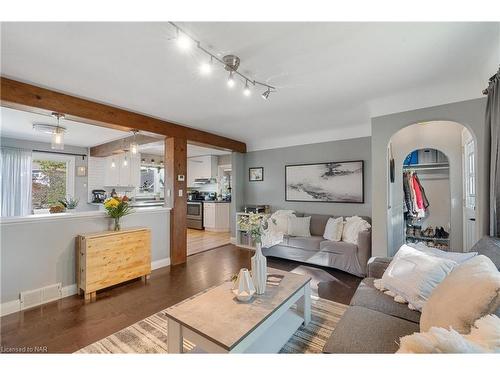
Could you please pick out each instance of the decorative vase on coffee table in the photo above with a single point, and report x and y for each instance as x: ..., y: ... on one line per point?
x: 259, y: 270
x: 244, y: 288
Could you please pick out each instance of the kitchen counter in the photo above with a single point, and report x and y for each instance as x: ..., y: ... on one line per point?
x: 72, y: 215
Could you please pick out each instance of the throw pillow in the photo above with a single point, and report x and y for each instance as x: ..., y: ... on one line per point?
x: 413, y: 275
x: 333, y: 229
x: 352, y: 226
x: 484, y: 338
x: 299, y: 226
x: 471, y: 291
x: 281, y: 219
x: 457, y: 257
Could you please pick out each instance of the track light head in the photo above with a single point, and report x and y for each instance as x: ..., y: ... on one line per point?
x: 265, y: 94
x: 246, y: 90
x: 205, y: 68
x: 183, y: 41
x: 230, y: 79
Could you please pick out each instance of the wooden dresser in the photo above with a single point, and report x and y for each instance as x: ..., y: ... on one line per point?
x: 108, y: 258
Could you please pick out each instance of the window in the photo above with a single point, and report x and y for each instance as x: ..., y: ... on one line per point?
x: 52, y: 179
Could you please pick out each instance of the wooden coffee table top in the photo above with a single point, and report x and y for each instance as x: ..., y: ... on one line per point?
x: 217, y: 315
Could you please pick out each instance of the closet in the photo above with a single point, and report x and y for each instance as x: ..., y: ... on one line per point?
x: 427, y: 198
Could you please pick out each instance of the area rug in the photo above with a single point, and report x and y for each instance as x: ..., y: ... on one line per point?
x: 150, y: 335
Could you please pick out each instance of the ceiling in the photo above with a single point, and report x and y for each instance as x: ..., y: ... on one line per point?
x: 331, y: 77
x: 157, y: 148
x: 19, y: 125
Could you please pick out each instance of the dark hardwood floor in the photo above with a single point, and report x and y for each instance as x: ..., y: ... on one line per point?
x: 69, y: 324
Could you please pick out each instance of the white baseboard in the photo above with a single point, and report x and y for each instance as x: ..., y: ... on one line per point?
x: 160, y: 263
x: 233, y: 240
x: 68, y: 290
x: 10, y: 307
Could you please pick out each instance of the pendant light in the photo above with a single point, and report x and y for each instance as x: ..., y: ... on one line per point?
x: 134, y: 146
x: 125, y: 160
x: 57, y: 142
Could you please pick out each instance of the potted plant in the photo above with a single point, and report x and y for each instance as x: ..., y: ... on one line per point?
x: 116, y: 208
x: 69, y: 203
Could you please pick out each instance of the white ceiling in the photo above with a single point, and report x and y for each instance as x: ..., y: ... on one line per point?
x: 332, y: 77
x: 19, y: 125
x: 157, y: 148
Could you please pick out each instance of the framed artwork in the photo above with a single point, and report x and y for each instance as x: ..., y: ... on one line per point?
x: 332, y: 182
x: 256, y: 174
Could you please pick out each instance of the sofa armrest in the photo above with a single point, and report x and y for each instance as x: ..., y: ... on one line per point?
x: 377, y: 266
x: 364, y: 248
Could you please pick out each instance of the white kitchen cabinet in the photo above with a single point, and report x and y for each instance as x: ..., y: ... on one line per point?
x: 216, y: 217
x: 204, y: 167
x: 123, y: 170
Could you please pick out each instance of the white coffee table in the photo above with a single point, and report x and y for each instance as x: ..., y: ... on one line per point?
x: 217, y: 323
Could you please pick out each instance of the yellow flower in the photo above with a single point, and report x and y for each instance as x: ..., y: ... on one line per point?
x: 111, y: 203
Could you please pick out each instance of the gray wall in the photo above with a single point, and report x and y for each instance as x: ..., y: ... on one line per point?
x: 41, y: 252
x: 469, y: 113
x: 81, y: 191
x: 272, y: 190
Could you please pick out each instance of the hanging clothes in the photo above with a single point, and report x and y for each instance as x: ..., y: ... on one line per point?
x: 416, y: 202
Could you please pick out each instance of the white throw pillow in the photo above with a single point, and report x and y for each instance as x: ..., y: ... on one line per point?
x: 413, y: 275
x: 484, y: 338
x: 281, y: 218
x: 299, y: 226
x: 457, y: 257
x: 471, y: 291
x: 352, y: 226
x: 333, y: 229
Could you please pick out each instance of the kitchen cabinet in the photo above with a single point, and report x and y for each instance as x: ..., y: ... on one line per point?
x: 216, y: 216
x: 201, y: 167
x: 123, y: 170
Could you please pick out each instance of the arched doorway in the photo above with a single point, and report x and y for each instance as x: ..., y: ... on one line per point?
x: 449, y: 139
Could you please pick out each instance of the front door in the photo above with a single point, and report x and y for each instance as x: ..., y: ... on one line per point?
x: 469, y: 174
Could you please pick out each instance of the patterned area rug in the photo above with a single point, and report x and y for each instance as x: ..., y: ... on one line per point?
x: 150, y: 335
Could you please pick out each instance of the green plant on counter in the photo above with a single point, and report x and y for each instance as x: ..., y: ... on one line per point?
x: 69, y: 203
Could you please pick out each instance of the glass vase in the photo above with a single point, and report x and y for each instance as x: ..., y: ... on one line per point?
x: 117, y: 224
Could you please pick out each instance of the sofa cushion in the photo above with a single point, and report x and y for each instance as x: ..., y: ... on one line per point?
x: 299, y: 226
x: 489, y: 246
x: 337, y: 247
x: 306, y: 243
x: 362, y: 330
x: 368, y: 296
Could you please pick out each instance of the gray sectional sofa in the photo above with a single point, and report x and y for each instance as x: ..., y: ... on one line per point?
x: 316, y: 250
x: 374, y: 323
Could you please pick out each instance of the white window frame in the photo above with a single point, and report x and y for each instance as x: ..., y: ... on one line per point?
x: 70, y: 168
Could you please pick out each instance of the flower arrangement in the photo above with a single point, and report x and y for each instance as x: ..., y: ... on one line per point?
x: 116, y: 208
x: 254, y: 225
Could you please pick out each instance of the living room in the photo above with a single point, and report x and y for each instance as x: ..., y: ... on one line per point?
x: 336, y: 190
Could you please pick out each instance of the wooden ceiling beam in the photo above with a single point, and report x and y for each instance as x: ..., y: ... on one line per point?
x: 19, y: 95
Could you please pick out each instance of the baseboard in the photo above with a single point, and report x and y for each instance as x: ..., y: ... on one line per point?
x: 66, y: 291
x: 10, y: 307
x: 160, y: 263
x: 233, y: 240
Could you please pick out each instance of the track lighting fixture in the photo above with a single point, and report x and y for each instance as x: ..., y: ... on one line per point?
x: 229, y: 62
x: 230, y: 79
x: 206, y: 67
x: 265, y: 94
x: 183, y: 41
x: 246, y: 90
